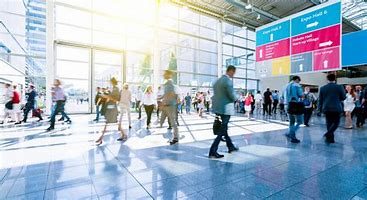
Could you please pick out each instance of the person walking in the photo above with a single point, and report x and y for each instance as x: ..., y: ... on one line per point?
x: 169, y: 104
x: 138, y: 98
x: 29, y: 106
x: 208, y: 99
x: 8, y: 97
x: 16, y: 106
x: 59, y: 97
x: 359, y: 107
x: 275, y: 98
x: 223, y: 106
x: 248, y: 102
x: 252, y: 104
x: 188, y: 103
x: 330, y: 103
x: 308, y: 101
x: 125, y: 104
x: 149, y: 104
x: 97, y: 103
x: 258, y: 101
x: 267, y: 102
x: 349, y: 105
x: 111, y: 112
x: 159, y: 101
x: 294, y: 94
x: 201, y: 105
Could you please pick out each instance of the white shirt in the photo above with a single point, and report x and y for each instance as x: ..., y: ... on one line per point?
x: 8, y: 94
x: 125, y: 97
x: 258, y: 97
x: 149, y: 99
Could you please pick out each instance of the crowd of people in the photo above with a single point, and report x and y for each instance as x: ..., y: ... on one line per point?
x: 295, y: 102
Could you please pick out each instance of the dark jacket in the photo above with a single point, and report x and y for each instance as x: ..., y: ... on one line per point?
x: 331, y: 98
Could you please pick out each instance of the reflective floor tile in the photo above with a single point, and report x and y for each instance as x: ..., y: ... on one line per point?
x: 29, y: 196
x: 137, y: 193
x: 288, y: 194
x: 76, y: 191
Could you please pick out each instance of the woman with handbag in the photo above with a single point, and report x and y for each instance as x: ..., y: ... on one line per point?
x: 111, y: 111
x: 8, y: 97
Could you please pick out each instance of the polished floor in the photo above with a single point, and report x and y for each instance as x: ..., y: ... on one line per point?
x: 65, y: 163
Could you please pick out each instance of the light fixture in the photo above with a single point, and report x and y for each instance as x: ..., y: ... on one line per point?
x: 258, y: 17
x: 244, y: 27
x: 248, y: 6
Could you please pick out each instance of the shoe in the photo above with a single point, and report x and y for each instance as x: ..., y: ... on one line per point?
x: 174, y: 141
x: 123, y: 137
x: 68, y: 121
x: 50, y: 128
x: 233, y: 149
x: 216, y: 155
x: 295, y: 140
x: 40, y: 119
x: 95, y: 120
x: 169, y: 128
x: 99, y: 141
x: 61, y: 119
x: 130, y: 127
x: 18, y: 123
x: 307, y: 125
x: 1, y: 122
x: 222, y: 139
x: 329, y: 140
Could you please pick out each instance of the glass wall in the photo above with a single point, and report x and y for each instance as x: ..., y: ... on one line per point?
x: 239, y: 50
x: 22, y: 42
x: 156, y: 36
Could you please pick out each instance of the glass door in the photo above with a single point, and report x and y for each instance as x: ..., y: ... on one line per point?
x: 106, y: 64
x: 73, y: 69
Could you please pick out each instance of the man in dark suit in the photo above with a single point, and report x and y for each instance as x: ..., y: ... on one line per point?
x: 223, y: 106
x: 331, y: 98
x: 29, y: 106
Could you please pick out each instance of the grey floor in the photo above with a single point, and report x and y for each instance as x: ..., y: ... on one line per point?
x: 65, y: 164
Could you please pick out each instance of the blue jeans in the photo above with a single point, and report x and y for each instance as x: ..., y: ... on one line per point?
x: 188, y: 108
x: 224, y: 132
x: 58, y: 107
x: 97, y: 112
x: 294, y: 122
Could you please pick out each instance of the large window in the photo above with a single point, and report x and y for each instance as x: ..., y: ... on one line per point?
x: 157, y: 36
x: 239, y: 50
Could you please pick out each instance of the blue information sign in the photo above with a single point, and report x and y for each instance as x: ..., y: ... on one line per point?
x: 354, y: 49
x: 317, y: 19
x: 273, y: 33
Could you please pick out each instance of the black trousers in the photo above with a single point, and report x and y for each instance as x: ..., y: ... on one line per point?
x: 138, y: 108
x: 28, y: 107
x: 224, y: 132
x: 332, y: 123
x: 275, y: 106
x: 149, y: 110
x: 359, y: 112
x: 267, y: 108
x: 307, y: 115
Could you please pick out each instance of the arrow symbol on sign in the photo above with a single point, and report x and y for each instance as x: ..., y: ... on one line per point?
x: 261, y: 53
x: 301, y: 67
x: 324, y: 44
x: 312, y: 24
x: 326, y: 64
x: 271, y: 37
